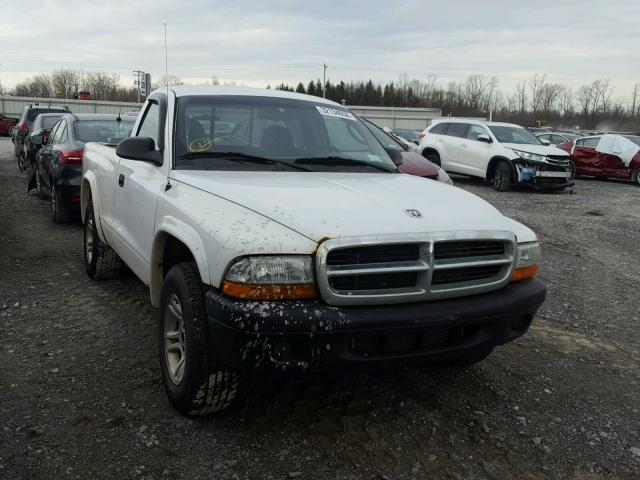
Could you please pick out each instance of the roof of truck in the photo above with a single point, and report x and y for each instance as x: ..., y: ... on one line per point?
x: 182, y: 91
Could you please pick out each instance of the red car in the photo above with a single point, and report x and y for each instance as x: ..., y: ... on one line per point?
x: 6, y: 123
x: 585, y: 160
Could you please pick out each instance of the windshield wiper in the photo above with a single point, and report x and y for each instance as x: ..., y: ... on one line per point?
x: 341, y: 161
x: 242, y: 157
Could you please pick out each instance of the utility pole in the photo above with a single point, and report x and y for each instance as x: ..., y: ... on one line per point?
x: 138, y: 78
x: 324, y: 81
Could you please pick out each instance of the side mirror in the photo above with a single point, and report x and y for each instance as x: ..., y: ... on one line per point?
x: 139, y: 148
x: 36, y: 139
x: 544, y: 142
x: 484, y: 138
x: 395, y: 154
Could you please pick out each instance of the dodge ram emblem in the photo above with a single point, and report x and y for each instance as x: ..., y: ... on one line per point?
x: 413, y: 213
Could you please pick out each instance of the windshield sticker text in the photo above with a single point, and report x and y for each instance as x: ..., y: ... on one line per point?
x: 335, y: 112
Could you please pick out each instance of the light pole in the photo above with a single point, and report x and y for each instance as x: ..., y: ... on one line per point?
x: 324, y: 81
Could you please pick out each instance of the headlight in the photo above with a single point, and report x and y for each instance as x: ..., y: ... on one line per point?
x: 531, y: 156
x: 528, y: 261
x: 444, y: 177
x: 271, y: 277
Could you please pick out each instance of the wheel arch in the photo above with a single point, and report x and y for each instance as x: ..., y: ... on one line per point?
x: 174, y: 242
x: 491, y: 168
x: 89, y: 191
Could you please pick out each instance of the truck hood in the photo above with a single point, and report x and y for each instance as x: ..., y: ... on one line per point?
x: 330, y: 205
x: 545, y: 150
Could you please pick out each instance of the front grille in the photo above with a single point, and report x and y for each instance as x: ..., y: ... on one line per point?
x: 464, y: 249
x: 374, y: 254
x: 409, y: 268
x: 381, y: 281
x: 468, y: 274
x: 558, y: 160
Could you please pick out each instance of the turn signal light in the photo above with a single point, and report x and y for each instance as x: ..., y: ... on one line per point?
x: 525, y: 273
x: 269, y: 292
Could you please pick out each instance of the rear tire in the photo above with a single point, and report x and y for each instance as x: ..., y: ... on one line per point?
x: 636, y: 176
x: 22, y: 162
x: 572, y: 169
x: 59, y: 215
x: 433, y: 157
x: 100, y: 260
x: 195, y: 381
x: 502, y: 176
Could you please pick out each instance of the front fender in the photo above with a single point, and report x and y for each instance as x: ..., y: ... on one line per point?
x: 170, y: 226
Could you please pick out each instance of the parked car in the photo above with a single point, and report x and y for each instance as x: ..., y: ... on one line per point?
x: 6, y: 123
x: 292, y: 245
x: 588, y: 159
x: 41, y: 127
x: 23, y: 127
x: 501, y: 153
x: 407, y: 134
x: 410, y: 146
x: 412, y: 162
x: 59, y: 162
x: 556, y: 138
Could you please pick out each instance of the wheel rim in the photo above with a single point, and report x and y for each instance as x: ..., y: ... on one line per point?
x: 174, y: 344
x: 88, y: 239
x: 499, y: 176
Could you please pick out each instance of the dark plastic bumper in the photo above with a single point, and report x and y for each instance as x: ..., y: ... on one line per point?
x: 309, y: 336
x: 68, y: 184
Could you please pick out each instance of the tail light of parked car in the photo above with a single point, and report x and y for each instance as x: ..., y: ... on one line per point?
x: 23, y: 126
x: 421, y: 136
x: 71, y: 157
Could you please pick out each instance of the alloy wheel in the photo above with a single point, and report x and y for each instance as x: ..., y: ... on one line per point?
x: 174, y: 339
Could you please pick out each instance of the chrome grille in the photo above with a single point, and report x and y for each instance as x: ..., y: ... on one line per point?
x: 558, y: 160
x: 411, y: 268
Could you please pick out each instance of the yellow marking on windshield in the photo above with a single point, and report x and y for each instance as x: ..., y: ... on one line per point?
x: 203, y: 144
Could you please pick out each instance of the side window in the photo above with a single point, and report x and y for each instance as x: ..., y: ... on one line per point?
x: 580, y: 142
x: 474, y: 131
x: 440, y: 128
x: 457, y: 130
x: 150, y: 125
x: 546, y: 137
x: 54, y: 132
x: 557, y: 140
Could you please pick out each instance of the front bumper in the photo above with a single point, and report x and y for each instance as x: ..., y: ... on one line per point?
x: 543, y: 176
x: 309, y: 336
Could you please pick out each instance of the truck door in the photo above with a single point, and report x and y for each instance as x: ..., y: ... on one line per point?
x: 138, y: 185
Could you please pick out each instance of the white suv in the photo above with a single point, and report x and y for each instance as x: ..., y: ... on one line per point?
x: 501, y: 153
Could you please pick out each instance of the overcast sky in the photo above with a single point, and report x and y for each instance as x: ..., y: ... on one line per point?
x: 267, y: 42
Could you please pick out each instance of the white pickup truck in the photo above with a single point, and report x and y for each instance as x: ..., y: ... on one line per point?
x: 277, y: 236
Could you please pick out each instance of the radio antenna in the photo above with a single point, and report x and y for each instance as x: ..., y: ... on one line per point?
x: 166, y: 60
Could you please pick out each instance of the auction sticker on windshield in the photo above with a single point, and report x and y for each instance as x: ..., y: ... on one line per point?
x: 335, y: 112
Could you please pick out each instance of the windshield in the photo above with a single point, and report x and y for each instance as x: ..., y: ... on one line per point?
x: 517, y: 135
x: 106, y: 131
x: 214, y: 132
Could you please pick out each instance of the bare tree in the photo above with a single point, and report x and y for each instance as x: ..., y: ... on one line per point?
x: 169, y: 81
x: 102, y: 85
x: 566, y: 101
x: 536, y: 85
x: 36, y: 86
x: 635, y: 100
x: 65, y: 83
x: 549, y: 95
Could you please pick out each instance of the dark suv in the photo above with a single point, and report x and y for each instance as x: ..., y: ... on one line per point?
x: 22, y: 129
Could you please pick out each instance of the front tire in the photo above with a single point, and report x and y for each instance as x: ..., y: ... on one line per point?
x: 502, y: 176
x: 195, y: 381
x: 100, y: 260
x: 433, y: 157
x: 636, y: 176
x: 572, y: 169
x: 22, y: 162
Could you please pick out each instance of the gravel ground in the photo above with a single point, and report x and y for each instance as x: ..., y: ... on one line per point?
x: 81, y: 397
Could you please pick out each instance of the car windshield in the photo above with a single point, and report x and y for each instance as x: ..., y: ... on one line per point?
x: 106, y: 131
x: 519, y: 135
x: 407, y: 134
x: 237, y: 131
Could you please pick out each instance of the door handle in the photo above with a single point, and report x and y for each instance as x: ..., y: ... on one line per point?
x: 121, y: 180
